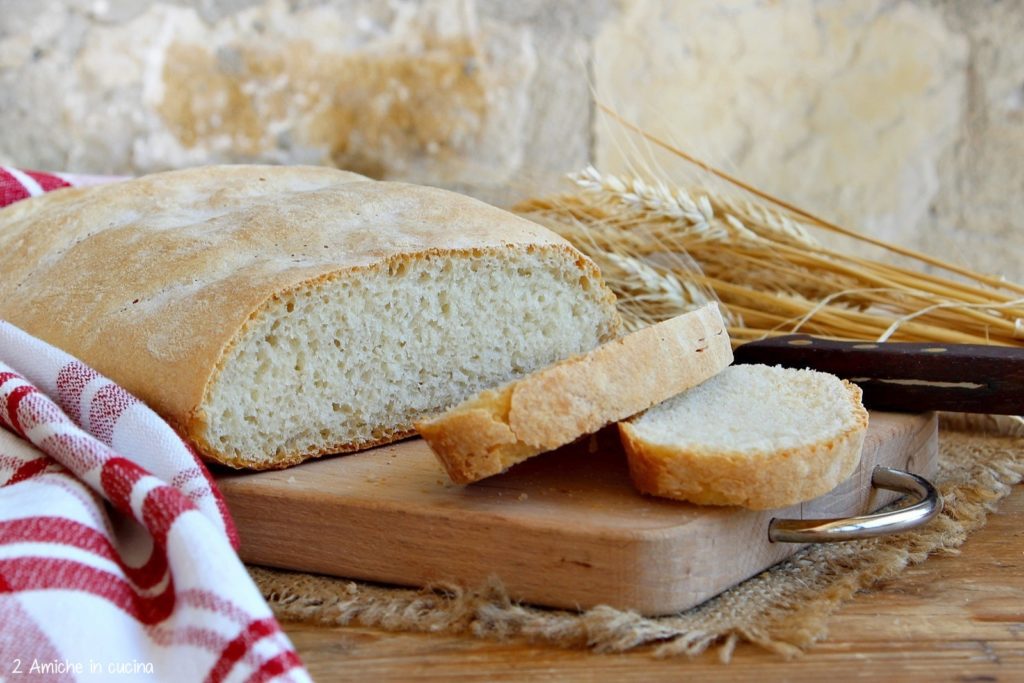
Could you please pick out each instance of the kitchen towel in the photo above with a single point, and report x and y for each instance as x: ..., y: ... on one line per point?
x: 117, y: 554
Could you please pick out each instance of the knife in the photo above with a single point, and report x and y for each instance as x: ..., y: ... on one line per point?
x: 907, y: 377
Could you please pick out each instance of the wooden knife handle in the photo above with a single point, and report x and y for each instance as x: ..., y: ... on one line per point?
x: 908, y: 377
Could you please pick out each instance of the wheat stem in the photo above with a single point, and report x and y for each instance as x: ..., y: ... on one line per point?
x: 664, y: 251
x: 904, y: 251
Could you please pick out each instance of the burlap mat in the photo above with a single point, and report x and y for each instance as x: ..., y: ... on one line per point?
x: 784, y: 609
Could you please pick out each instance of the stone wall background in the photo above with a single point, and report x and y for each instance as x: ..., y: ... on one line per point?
x: 903, y: 118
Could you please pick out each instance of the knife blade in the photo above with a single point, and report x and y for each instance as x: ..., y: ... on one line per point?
x: 907, y: 377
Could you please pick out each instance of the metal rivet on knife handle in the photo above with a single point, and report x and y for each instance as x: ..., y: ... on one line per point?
x: 927, y: 505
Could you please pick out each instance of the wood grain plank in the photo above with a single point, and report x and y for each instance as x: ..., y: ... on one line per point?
x: 566, y: 530
x: 953, y: 618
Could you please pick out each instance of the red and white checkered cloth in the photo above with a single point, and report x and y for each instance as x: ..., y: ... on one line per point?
x: 117, y: 554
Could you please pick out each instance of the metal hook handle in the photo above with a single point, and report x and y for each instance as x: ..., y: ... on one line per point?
x: 866, y: 526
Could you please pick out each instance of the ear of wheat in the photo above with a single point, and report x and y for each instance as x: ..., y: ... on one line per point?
x: 666, y: 250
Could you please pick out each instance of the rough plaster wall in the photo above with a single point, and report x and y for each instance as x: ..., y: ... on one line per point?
x: 425, y: 92
x: 844, y: 108
x: 978, y: 213
x: 901, y: 117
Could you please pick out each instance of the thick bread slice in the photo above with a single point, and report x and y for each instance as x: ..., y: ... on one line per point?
x: 554, y: 406
x: 756, y: 436
x: 278, y: 313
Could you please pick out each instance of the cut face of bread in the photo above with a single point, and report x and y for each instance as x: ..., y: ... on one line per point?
x: 756, y: 436
x: 556, y: 405
x: 352, y: 361
x: 272, y: 314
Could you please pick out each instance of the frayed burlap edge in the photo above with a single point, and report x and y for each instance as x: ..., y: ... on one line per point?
x: 784, y: 609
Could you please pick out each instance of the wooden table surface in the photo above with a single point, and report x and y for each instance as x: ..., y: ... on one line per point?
x: 953, y: 618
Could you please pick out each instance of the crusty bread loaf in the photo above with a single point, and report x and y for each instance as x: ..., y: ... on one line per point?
x: 273, y: 314
x: 554, y: 406
x: 756, y: 436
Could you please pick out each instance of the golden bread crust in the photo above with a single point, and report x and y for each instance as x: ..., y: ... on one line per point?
x: 554, y: 406
x: 151, y: 281
x: 759, y: 480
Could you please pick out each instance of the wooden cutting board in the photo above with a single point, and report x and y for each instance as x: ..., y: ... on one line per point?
x: 564, y: 530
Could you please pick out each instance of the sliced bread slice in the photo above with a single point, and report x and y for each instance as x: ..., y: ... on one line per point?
x: 756, y: 436
x: 552, y: 407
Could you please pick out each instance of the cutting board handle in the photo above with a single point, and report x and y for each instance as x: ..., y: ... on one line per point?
x: 927, y: 505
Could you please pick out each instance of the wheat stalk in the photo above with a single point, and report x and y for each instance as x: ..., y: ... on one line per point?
x: 807, y: 216
x: 666, y: 250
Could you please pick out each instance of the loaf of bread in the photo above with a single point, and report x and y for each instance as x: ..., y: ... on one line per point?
x: 274, y: 314
x: 556, y: 405
x: 756, y: 436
